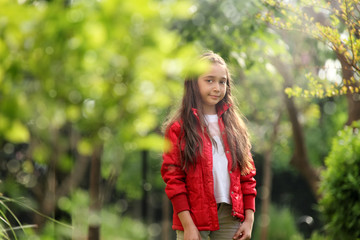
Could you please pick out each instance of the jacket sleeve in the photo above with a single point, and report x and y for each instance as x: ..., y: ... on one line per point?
x: 248, y: 188
x: 172, y: 172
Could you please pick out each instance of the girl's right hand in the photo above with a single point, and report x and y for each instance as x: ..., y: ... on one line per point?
x: 190, y: 230
x: 192, y: 233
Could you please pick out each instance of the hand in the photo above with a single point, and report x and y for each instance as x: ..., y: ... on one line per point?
x: 190, y: 230
x: 192, y: 233
x: 244, y: 231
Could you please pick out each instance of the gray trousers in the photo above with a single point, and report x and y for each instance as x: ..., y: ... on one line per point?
x: 228, y: 226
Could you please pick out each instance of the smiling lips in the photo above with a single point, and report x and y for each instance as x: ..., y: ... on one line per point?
x: 214, y: 96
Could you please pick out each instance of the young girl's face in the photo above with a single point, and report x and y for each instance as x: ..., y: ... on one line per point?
x: 212, y: 86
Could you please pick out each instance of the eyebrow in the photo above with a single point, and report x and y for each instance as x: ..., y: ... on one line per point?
x: 211, y: 76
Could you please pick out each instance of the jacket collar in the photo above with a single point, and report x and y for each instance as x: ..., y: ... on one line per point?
x: 223, y: 108
x: 220, y: 110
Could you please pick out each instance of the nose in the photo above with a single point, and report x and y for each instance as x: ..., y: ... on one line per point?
x: 217, y: 86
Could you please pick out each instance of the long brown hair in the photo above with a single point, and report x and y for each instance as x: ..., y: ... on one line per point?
x: 190, y: 143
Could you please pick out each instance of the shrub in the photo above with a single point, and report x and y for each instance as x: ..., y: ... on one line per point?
x: 340, y: 203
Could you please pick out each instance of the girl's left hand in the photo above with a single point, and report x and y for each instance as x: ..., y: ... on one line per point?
x: 244, y: 231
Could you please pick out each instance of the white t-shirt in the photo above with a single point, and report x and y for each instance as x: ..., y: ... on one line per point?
x: 220, y: 163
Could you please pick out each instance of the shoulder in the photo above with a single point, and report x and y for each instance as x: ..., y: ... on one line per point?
x: 172, y: 134
x: 173, y: 128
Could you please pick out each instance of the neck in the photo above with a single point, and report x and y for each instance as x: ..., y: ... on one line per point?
x: 209, y: 110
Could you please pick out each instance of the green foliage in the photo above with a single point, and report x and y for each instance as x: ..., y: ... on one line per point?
x: 100, y: 69
x: 282, y: 225
x: 80, y: 75
x: 322, y: 88
x: 334, y: 23
x: 92, y: 65
x: 340, y: 203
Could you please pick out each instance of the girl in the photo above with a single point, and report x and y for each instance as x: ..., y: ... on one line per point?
x: 208, y: 170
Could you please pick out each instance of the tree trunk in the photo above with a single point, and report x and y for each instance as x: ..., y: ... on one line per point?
x: 95, y: 204
x: 300, y: 158
x: 47, y: 192
x: 353, y: 98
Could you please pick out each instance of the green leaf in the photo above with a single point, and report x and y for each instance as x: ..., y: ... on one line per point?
x: 17, y: 133
x: 85, y: 147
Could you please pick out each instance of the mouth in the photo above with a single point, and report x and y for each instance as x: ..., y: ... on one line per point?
x: 214, y: 96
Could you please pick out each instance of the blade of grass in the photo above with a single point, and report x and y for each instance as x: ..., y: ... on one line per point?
x: 6, y: 220
x: 22, y: 227
x: 35, y: 211
x: 3, y: 233
x: 12, y: 214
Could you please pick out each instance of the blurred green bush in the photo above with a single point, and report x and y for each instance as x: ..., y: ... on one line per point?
x: 340, y: 203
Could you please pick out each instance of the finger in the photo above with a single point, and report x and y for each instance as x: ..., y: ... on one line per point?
x: 245, y: 237
x: 238, y: 235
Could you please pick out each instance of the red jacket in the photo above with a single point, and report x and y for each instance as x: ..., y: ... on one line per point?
x: 193, y: 189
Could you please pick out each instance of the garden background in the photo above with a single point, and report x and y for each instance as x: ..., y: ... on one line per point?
x: 86, y: 85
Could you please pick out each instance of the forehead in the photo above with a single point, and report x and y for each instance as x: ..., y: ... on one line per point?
x: 216, y: 70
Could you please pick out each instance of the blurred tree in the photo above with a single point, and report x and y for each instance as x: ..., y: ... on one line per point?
x: 83, y: 82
